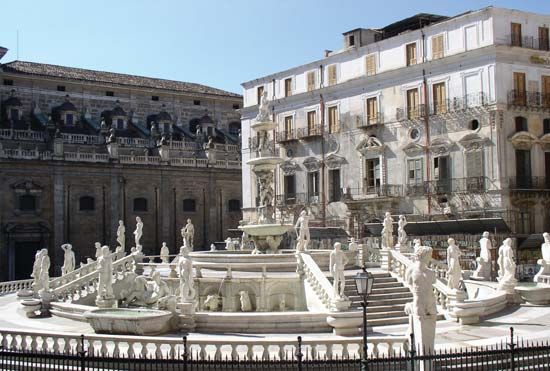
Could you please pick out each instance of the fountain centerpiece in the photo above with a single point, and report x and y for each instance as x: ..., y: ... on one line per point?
x: 267, y: 233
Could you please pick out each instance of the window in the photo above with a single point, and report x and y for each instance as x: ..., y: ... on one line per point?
x: 196, y: 102
x: 473, y: 125
x: 189, y: 205
x: 236, y: 106
x: 547, y: 172
x: 166, y: 127
x: 332, y: 77
x: 371, y: 64
x: 372, y: 110
x: 193, y: 123
x: 120, y: 124
x: 234, y: 205
x: 8, y: 82
x: 234, y: 128
x: 288, y: 127
x: 372, y: 175
x: 313, y: 186
x: 441, y: 168
x: 474, y: 164
x: 27, y: 203
x: 288, y: 87
x: 69, y: 119
x: 545, y: 82
x: 411, y: 54
x: 333, y: 119
x: 519, y: 89
x: 155, y: 98
x: 521, y: 124
x: 86, y: 203
x: 439, y: 98
x: 437, y: 47
x: 523, y: 168
x: 290, y: 186
x: 334, y: 189
x: 524, y: 224
x: 351, y: 40
x: 259, y: 93
x: 311, y: 118
x: 13, y: 114
x: 140, y: 204
x: 415, y: 171
x: 543, y: 38
x: 110, y: 93
x: 311, y: 81
x: 546, y: 126
x: 516, y: 34
x: 60, y: 88
x: 412, y: 104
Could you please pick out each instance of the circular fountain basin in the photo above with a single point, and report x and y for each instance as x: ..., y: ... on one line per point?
x: 139, y: 321
x: 266, y: 229
x: 263, y: 126
x: 264, y: 163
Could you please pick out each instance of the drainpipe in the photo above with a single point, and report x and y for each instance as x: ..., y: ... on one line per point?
x: 323, y: 196
x: 275, y: 173
x: 426, y: 124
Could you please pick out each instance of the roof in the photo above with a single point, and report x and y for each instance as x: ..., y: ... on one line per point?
x: 85, y: 75
x: 411, y: 23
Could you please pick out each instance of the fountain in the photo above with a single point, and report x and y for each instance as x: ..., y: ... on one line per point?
x: 267, y: 233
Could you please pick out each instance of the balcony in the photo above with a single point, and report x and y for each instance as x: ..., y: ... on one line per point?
x: 446, y: 186
x: 529, y: 183
x: 371, y: 121
x: 410, y: 113
x: 528, y: 42
x: 310, y: 132
x: 369, y: 192
x: 291, y: 199
x: 447, y: 106
x: 528, y: 99
x: 286, y: 136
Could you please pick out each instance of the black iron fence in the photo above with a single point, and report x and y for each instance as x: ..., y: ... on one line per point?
x: 529, y: 183
x: 310, y: 132
x: 508, y: 355
x: 445, y: 186
x: 530, y: 42
x: 528, y: 99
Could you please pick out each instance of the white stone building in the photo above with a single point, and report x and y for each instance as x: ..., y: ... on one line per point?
x: 434, y: 117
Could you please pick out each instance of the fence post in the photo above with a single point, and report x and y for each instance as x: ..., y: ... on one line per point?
x: 412, y: 352
x: 299, y: 353
x: 185, y: 353
x: 512, y: 348
x: 82, y: 354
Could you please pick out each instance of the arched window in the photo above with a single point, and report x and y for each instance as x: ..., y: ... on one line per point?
x: 521, y: 124
x: 546, y: 126
x: 86, y: 203
x: 234, y: 128
x: 27, y: 203
x: 140, y: 204
x: 189, y: 205
x: 234, y: 205
x: 193, y: 125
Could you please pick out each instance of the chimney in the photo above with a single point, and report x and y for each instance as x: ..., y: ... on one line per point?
x: 327, y: 52
x: 3, y: 51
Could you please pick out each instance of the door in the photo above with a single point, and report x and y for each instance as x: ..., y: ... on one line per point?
x: 546, y: 91
x: 313, y: 187
x: 516, y: 34
x: 439, y: 98
x: 442, y: 174
x: 519, y: 88
x: 372, y: 175
x: 547, y: 169
x: 290, y: 188
x: 543, y: 38
x: 23, y: 259
x: 334, y: 185
x: 412, y: 103
x: 523, y: 169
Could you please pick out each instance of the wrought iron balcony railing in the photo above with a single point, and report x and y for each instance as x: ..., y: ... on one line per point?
x: 528, y: 99
x: 310, y: 132
x: 528, y: 42
x: 285, y: 136
x: 370, y: 121
x: 529, y: 183
x: 445, y: 186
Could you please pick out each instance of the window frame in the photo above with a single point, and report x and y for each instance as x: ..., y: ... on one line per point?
x: 189, y: 209
x: 144, y: 210
x: 86, y: 199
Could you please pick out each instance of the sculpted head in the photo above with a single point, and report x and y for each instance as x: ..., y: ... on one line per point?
x: 188, y: 221
x: 424, y: 254
x: 105, y: 250
x: 401, y: 217
x: 485, y: 234
x: 97, y: 245
x: 138, y: 219
x: 337, y: 246
x: 546, y: 237
x: 451, y: 241
x: 388, y: 214
x: 120, y: 222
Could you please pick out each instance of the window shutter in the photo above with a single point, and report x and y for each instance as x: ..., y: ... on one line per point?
x: 437, y: 46
x: 371, y: 65
x: 474, y: 164
x: 310, y: 81
x: 332, y: 74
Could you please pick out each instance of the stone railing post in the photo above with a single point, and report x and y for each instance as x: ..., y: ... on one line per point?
x: 385, y: 259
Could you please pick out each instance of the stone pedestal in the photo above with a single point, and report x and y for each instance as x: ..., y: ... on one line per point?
x: 46, y: 298
x: 483, y: 271
x: 186, y: 316
x: 543, y: 272
x: 346, y: 323
x: 32, y: 307
x: 58, y: 148
x: 106, y: 303
x: 424, y: 333
x: 112, y: 148
x: 385, y: 259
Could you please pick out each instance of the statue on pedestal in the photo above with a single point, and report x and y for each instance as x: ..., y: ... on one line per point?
x: 138, y: 232
x: 483, y: 270
x: 229, y: 244
x: 507, y: 267
x: 68, y: 259
x: 185, y: 273
x: 246, y: 304
x: 44, y: 277
x: 264, y: 109
x: 105, y: 267
x: 37, y: 284
x: 121, y: 235
x: 97, y: 246
x: 454, y: 273
x: 545, y: 261
x: 164, y: 253
x: 387, y: 231
x: 188, y: 235
x: 302, y: 228
x: 353, y: 245
x: 338, y: 261
x: 401, y: 234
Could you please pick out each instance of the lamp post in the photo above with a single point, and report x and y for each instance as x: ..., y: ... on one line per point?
x: 363, y: 282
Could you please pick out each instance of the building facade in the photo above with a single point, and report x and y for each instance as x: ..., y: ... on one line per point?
x: 433, y: 117
x: 81, y: 150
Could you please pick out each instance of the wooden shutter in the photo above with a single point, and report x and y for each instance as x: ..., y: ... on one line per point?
x: 288, y: 87
x: 411, y: 54
x: 516, y: 34
x: 372, y: 110
x: 474, y: 164
x: 543, y: 38
x: 311, y: 81
x: 439, y: 98
x: 288, y: 127
x: 371, y: 65
x: 412, y: 103
x: 437, y: 46
x: 546, y: 91
x: 519, y: 87
x: 259, y: 93
x: 331, y: 74
x: 311, y: 121
x: 332, y: 119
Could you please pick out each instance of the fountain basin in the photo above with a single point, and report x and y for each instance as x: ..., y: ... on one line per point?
x: 264, y: 163
x: 137, y: 321
x: 263, y: 126
x: 266, y: 237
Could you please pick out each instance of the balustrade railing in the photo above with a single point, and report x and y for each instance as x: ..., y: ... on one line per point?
x: 86, y: 157
x: 81, y: 138
x: 286, y: 136
x: 410, y: 113
x: 133, y: 142
x: 529, y: 183
x: 22, y: 134
x: 529, y: 42
x: 309, y: 132
x: 289, y: 199
x: 10, y: 287
x: 528, y: 99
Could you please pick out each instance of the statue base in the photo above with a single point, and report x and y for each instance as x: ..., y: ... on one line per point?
x: 507, y: 286
x: 385, y: 259
x: 483, y: 271
x: 543, y: 273
x: 187, y: 316
x: 106, y: 303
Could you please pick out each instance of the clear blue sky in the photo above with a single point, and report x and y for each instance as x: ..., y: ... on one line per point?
x: 219, y: 43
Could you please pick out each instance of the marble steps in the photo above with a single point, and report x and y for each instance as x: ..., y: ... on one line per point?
x: 379, y: 290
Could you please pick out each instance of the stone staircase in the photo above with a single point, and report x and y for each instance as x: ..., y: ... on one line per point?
x: 386, y: 303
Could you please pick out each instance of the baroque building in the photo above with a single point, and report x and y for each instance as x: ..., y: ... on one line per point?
x: 81, y: 150
x: 438, y: 118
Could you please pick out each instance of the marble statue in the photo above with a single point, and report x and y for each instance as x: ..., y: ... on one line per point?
x: 264, y: 109
x: 36, y: 285
x: 417, y: 244
x: 387, y: 231
x: 302, y: 228
x: 185, y: 273
x: 545, y: 261
x: 507, y: 267
x: 68, y: 259
x: 45, y: 271
x: 454, y: 273
x: 282, y: 303
x: 135, y: 296
x: 229, y: 244
x: 401, y: 234
x: 353, y: 245
x: 422, y: 310
x: 338, y: 261
x: 121, y: 235
x: 212, y: 247
x: 105, y: 266
x: 138, y: 232
x: 160, y: 292
x: 244, y: 241
x: 164, y: 253
x: 188, y: 235
x: 97, y: 246
x: 483, y: 270
x: 212, y: 303
x: 246, y: 305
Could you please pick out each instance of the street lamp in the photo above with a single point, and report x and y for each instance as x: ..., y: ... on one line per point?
x: 363, y: 282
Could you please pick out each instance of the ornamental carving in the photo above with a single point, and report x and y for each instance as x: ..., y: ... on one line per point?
x: 523, y: 140
x: 370, y: 145
x: 312, y: 164
x: 27, y: 186
x: 414, y: 149
x: 441, y: 146
x: 473, y: 142
x: 289, y: 167
x: 333, y: 161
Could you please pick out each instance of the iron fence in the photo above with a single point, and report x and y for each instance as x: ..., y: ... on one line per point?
x: 530, y: 42
x: 528, y: 99
x: 529, y: 183
x: 286, y: 136
x: 310, y: 132
x: 508, y: 355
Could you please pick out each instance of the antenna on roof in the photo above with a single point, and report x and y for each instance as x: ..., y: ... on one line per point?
x: 17, y: 45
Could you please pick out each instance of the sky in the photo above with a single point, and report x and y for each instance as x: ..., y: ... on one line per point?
x: 218, y: 43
